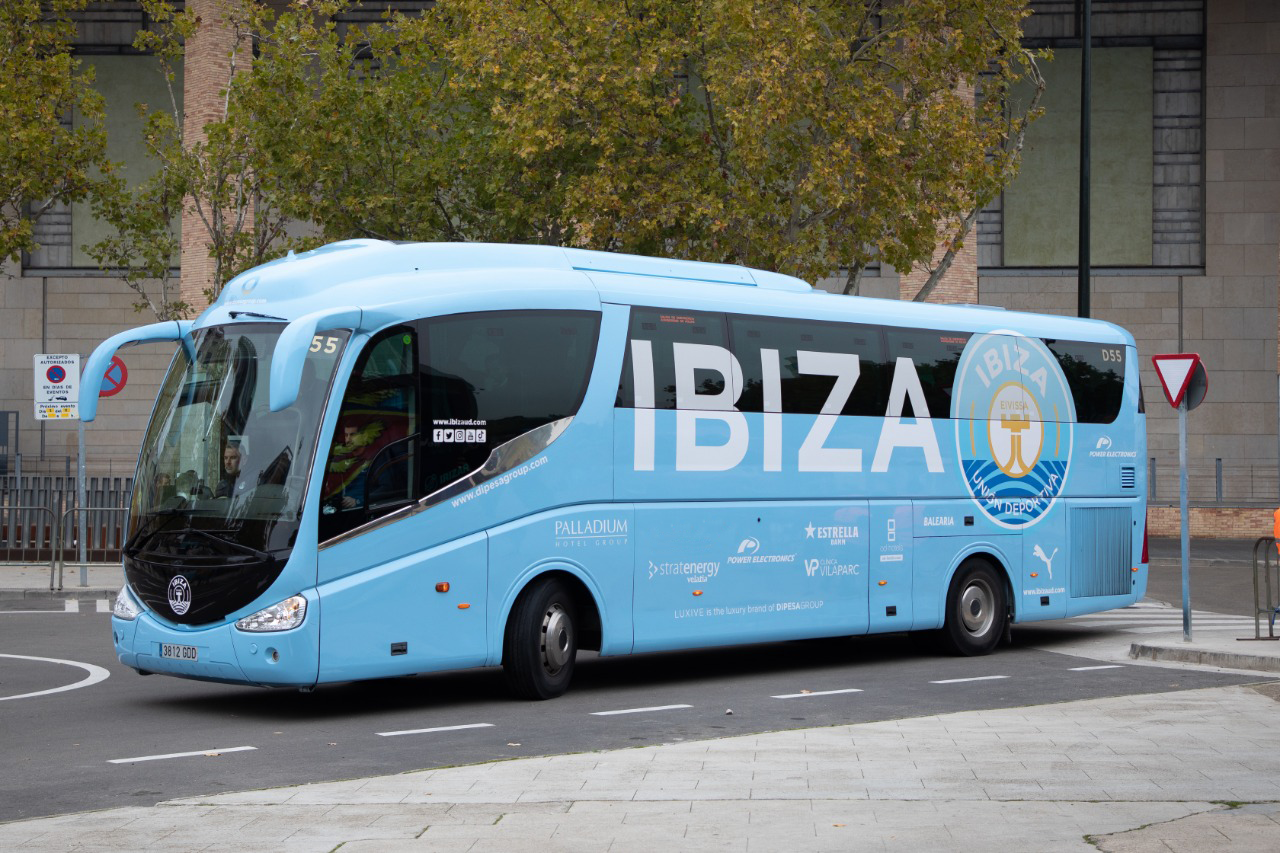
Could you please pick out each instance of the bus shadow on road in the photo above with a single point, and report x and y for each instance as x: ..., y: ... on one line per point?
x: 595, y: 679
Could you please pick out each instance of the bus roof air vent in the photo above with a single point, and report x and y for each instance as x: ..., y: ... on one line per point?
x: 619, y: 264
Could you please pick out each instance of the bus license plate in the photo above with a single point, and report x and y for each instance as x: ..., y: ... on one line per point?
x: 176, y: 652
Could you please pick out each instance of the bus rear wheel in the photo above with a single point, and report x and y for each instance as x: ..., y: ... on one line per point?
x: 976, y: 609
x: 541, y: 643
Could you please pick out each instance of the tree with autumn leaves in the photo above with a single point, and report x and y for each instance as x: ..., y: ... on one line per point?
x: 803, y: 137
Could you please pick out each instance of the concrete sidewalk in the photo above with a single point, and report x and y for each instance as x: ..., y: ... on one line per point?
x: 1177, y: 771
x: 1174, y: 771
x: 33, y: 581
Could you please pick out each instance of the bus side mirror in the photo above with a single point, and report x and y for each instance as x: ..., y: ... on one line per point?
x: 291, y: 351
x: 95, y: 369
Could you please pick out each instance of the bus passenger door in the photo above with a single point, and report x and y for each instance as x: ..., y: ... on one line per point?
x: 890, y: 562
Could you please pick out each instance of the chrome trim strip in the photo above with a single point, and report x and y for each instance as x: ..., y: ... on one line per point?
x: 505, y: 457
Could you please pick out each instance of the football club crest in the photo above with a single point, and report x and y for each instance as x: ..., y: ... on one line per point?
x: 1014, y: 424
x: 179, y: 595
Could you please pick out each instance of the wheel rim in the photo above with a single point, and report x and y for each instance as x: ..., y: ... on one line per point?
x: 557, y: 638
x: 977, y: 607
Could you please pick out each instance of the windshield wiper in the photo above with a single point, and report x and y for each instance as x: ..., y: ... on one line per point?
x: 231, y: 543
x: 142, y: 536
x: 234, y: 314
x: 132, y: 548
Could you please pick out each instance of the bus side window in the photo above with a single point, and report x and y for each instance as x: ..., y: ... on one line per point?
x: 756, y: 339
x: 1095, y: 375
x: 489, y: 377
x: 371, y: 466
x: 662, y: 329
x: 935, y: 355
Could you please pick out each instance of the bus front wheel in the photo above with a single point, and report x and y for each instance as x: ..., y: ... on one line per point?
x: 976, y: 609
x: 541, y: 642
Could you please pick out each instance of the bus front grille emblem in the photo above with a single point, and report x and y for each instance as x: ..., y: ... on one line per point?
x: 179, y: 595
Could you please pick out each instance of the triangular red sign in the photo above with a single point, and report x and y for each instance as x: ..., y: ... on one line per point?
x: 1175, y: 370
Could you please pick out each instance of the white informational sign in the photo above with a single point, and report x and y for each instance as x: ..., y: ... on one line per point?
x: 57, y: 388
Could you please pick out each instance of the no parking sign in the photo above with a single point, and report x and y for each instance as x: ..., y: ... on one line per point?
x: 57, y: 391
x: 117, y: 375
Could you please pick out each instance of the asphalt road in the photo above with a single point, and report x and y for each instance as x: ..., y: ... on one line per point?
x: 120, y: 741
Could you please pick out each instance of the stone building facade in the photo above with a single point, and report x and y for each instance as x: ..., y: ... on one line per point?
x: 1186, y: 244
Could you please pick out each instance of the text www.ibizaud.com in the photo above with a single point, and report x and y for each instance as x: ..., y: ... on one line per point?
x: 485, y: 488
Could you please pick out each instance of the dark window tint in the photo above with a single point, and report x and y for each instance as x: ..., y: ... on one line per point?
x: 490, y: 377
x: 811, y: 359
x: 658, y: 331
x: 935, y: 355
x: 1095, y: 375
x: 372, y: 460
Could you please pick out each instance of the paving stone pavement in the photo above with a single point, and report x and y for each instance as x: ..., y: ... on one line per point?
x: 1138, y: 773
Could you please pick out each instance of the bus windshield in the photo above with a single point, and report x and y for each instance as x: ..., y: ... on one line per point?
x: 222, y: 478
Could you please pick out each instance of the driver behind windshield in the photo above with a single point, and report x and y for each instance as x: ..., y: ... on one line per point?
x: 232, y: 460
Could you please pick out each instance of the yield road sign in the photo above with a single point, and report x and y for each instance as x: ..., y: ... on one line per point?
x: 1176, y: 372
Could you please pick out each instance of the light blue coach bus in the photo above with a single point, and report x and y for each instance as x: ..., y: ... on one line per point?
x: 374, y: 460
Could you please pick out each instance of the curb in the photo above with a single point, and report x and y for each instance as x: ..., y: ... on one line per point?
x: 1224, y: 660
x: 78, y: 593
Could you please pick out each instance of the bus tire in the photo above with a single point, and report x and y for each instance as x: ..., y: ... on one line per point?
x: 976, y: 609
x: 541, y: 642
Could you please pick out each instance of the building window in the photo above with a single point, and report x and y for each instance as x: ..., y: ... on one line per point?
x: 1147, y: 199
x: 125, y: 78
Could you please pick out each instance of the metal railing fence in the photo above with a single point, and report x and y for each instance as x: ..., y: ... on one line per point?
x: 1266, y: 587
x: 33, y: 507
x: 1215, y: 481
x: 87, y: 524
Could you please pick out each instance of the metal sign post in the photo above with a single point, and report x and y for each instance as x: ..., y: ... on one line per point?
x: 57, y: 397
x: 63, y: 375
x: 1186, y: 527
x: 81, y: 516
x: 1183, y: 378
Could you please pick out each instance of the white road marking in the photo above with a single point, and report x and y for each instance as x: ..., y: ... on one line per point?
x: 13, y: 612
x: 96, y: 674
x: 1092, y: 668
x: 69, y: 605
x: 1146, y: 618
x: 815, y: 693
x: 963, y: 680
x: 436, y: 729
x: 203, y: 752
x: 639, y: 710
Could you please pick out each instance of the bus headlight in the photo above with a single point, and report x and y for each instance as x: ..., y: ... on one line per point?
x: 126, y: 607
x: 278, y: 617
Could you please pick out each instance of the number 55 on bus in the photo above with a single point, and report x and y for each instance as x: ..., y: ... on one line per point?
x: 373, y: 460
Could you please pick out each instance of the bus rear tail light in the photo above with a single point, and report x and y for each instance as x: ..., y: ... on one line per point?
x: 1145, y: 526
